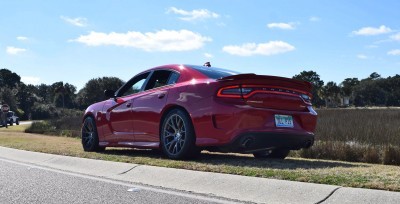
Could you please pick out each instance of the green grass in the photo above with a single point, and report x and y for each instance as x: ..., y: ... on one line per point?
x: 385, y: 177
x: 14, y: 128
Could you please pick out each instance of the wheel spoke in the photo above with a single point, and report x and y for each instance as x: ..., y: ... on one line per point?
x: 171, y: 146
x: 85, y: 126
x: 90, y: 127
x: 170, y: 123
x: 175, y: 150
x: 181, y: 143
x: 167, y: 144
x: 177, y: 123
x: 168, y: 133
x: 178, y: 146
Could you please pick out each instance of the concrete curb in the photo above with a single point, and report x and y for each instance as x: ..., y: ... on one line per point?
x: 251, y: 189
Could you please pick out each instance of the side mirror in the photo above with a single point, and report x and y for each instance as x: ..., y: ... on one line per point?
x: 109, y: 93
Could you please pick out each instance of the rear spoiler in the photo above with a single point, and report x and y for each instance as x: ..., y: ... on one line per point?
x: 275, y: 79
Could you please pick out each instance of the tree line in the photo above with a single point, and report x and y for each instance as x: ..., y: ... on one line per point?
x: 42, y: 101
x: 371, y: 91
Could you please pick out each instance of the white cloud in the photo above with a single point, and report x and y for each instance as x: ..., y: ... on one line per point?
x: 395, y: 52
x: 361, y: 56
x: 198, y: 14
x: 284, y: 26
x: 30, y: 80
x: 314, y: 19
x: 164, y: 40
x: 372, y: 46
x: 208, y: 55
x: 14, y: 50
x: 22, y: 38
x: 372, y: 31
x: 80, y: 22
x: 249, y: 49
x: 395, y: 37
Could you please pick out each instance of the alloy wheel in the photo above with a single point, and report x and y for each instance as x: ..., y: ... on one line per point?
x: 174, y: 133
x: 88, y: 133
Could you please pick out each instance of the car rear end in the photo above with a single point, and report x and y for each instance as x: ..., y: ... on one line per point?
x: 269, y: 112
x: 251, y: 113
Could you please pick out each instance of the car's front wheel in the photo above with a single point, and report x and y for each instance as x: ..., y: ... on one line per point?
x: 272, y: 154
x: 17, y: 122
x: 178, y: 136
x: 90, y: 138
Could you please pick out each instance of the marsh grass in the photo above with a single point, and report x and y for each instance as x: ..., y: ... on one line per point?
x: 357, y: 135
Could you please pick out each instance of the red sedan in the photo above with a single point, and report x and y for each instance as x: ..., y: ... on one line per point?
x: 183, y: 109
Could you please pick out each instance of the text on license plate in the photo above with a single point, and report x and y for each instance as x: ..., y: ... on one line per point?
x: 283, y: 121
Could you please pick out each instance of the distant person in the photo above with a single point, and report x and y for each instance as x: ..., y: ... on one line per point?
x: 3, y: 114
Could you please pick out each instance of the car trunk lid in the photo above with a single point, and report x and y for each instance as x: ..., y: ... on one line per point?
x: 267, y: 91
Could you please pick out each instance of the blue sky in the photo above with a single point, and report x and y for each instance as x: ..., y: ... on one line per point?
x: 75, y: 41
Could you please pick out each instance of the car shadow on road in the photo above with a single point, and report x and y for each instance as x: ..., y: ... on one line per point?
x: 240, y: 160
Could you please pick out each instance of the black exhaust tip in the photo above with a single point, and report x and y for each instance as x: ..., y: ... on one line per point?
x: 308, y: 143
x: 247, y: 142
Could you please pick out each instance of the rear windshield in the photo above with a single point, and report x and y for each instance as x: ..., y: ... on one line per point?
x: 213, y: 72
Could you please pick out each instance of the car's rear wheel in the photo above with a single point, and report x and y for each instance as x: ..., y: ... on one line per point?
x: 90, y: 138
x: 11, y: 123
x: 17, y: 122
x: 177, y: 135
x: 272, y: 154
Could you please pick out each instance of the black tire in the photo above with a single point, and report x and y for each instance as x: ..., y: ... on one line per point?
x: 17, y: 122
x: 272, y: 154
x: 177, y: 136
x: 11, y: 123
x: 90, y: 138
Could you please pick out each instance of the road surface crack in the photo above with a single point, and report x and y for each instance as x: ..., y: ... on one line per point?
x: 128, y: 170
x: 330, y: 194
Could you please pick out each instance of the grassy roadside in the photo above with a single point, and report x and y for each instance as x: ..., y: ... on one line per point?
x: 348, y: 174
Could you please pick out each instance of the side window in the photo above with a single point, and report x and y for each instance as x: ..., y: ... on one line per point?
x: 134, y: 85
x: 173, y: 78
x: 161, y: 78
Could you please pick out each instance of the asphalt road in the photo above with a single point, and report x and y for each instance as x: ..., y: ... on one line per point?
x: 26, y: 183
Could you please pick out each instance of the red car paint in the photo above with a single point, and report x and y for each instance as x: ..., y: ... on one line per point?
x: 224, y: 112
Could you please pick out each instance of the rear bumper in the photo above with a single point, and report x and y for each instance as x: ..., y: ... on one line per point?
x: 257, y: 141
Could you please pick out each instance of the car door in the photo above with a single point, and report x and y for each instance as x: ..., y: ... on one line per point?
x: 147, y: 107
x: 118, y: 111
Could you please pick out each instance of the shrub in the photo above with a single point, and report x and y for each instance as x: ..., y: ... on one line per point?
x: 391, y: 155
x: 64, y: 122
x: 41, y: 127
x: 43, y: 111
x: 372, y: 155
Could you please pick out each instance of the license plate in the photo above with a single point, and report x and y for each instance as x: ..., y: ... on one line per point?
x: 284, y: 121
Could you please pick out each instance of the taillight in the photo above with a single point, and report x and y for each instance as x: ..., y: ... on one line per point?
x: 246, y: 91
x: 234, y: 92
